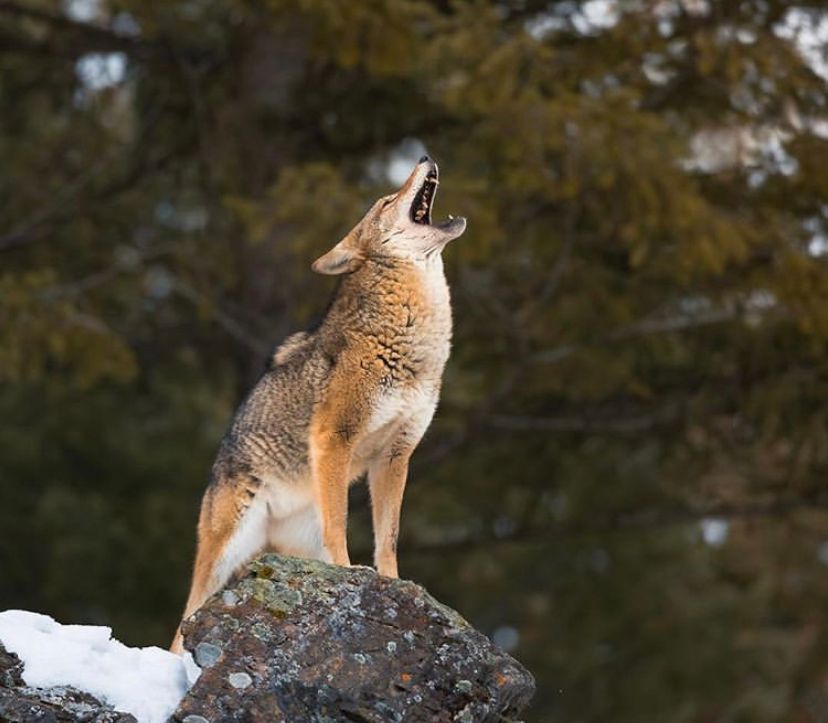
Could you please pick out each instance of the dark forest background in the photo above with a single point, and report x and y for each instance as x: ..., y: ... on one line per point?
x: 625, y: 484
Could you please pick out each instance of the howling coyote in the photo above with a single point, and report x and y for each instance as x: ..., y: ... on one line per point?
x: 353, y: 396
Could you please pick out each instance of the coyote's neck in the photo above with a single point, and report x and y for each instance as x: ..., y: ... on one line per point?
x: 401, y: 307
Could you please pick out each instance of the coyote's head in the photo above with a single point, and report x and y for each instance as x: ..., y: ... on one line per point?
x: 396, y: 227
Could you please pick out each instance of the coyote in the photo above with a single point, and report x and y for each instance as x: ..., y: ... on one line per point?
x: 354, y: 395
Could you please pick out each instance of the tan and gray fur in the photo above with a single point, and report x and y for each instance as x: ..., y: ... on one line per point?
x: 353, y: 396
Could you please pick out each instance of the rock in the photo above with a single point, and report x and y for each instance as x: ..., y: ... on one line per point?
x: 300, y: 640
x: 11, y: 669
x: 53, y: 705
x: 21, y: 704
x: 206, y: 655
x: 239, y: 680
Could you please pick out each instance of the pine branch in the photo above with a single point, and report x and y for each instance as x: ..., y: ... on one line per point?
x: 79, y: 37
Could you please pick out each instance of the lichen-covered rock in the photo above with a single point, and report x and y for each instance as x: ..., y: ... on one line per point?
x: 297, y: 640
x: 22, y: 704
x: 11, y: 669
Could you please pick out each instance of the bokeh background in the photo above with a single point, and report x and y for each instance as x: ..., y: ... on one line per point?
x: 625, y: 484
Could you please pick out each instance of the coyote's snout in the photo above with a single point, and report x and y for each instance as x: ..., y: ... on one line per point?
x: 353, y: 396
x: 397, y: 227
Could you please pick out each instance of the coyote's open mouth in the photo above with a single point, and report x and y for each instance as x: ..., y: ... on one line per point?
x: 424, y: 200
x: 421, y: 206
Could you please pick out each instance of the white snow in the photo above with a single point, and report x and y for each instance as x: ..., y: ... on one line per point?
x: 147, y: 682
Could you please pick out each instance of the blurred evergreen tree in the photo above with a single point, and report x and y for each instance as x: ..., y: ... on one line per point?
x: 626, y: 476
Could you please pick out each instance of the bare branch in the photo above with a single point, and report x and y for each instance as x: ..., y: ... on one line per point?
x: 131, y: 264
x: 649, y: 326
x: 25, y: 231
x: 476, y: 420
x: 34, y: 227
x: 667, y: 325
x: 628, y: 425
x: 233, y: 327
x: 653, y: 518
x: 96, y: 38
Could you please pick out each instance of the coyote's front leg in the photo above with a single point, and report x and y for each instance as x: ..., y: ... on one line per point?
x: 386, y: 479
x: 336, y: 429
x: 330, y: 457
x: 331, y: 461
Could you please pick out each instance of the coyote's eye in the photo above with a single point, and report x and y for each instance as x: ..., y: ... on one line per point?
x: 386, y: 201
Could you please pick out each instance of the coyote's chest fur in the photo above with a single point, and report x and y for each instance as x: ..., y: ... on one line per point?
x: 406, y: 330
x: 407, y: 339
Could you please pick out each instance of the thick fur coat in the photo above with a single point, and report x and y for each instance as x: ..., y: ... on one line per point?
x: 353, y: 396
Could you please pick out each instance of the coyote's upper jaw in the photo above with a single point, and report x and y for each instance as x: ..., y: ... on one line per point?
x: 396, y: 227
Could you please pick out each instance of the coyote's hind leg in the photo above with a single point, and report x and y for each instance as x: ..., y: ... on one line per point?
x: 232, y: 528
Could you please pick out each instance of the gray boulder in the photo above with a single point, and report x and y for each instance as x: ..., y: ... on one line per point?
x: 297, y: 640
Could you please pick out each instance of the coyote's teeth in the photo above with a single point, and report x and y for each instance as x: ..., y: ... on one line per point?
x: 421, y: 212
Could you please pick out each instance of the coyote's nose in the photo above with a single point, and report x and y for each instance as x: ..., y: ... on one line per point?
x: 424, y: 159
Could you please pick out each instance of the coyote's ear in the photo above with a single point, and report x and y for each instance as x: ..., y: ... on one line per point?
x: 341, y: 259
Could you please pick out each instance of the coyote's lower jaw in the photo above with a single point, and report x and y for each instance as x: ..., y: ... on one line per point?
x: 351, y: 398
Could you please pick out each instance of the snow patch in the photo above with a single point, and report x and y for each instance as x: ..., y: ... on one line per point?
x: 147, y: 682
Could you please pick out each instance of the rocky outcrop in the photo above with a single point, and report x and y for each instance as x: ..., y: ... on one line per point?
x: 297, y: 640
x: 22, y: 704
